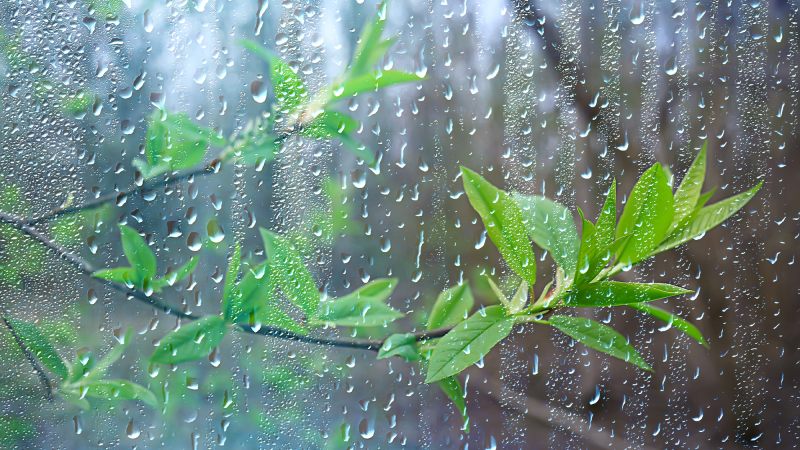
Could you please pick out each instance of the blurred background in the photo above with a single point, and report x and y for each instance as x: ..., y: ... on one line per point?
x: 545, y: 97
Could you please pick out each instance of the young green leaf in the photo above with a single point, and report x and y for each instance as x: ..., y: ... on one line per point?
x: 192, y: 341
x: 502, y: 218
x: 289, y: 88
x: 705, y: 219
x: 99, y: 370
x: 588, y: 250
x: 369, y: 51
x: 612, y: 293
x: 173, y: 277
x: 330, y: 124
x: 647, y: 216
x: 468, y: 342
x: 599, y: 337
x: 607, y: 220
x: 119, y: 390
x: 597, y: 261
x: 39, y: 346
x: 402, y: 345
x: 520, y: 299
x: 139, y: 255
x: 452, y: 388
x: 231, y: 293
x: 174, y: 142
x: 124, y: 275
x: 498, y: 293
x: 672, y: 320
x: 688, y: 192
x: 81, y: 365
x: 551, y: 227
x: 364, y: 307
x: 452, y: 306
x: 370, y: 82
x: 289, y: 273
x: 703, y: 199
x: 74, y: 397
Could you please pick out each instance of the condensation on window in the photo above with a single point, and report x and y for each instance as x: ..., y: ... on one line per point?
x: 230, y: 224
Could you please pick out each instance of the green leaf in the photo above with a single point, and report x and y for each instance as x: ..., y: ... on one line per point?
x: 368, y: 51
x: 688, y: 192
x: 703, y: 199
x: 73, y: 397
x: 706, y: 218
x: 81, y: 366
x: 363, y: 307
x: 289, y: 88
x: 402, y: 345
x: 173, y: 277
x: 289, y: 273
x: 124, y: 275
x: 468, y: 342
x: 502, y: 218
x: 231, y: 293
x: 599, y: 337
x: 452, y: 306
x: 259, y: 148
x: 139, y: 255
x: 588, y: 250
x: 330, y: 124
x: 612, y: 293
x: 192, y: 341
x: 119, y: 390
x: 520, y: 299
x: 99, y: 370
x: 39, y: 346
x: 499, y: 293
x: 551, y: 227
x: 597, y: 261
x: 607, y: 220
x: 647, y: 216
x: 370, y: 82
x: 673, y: 320
x: 452, y: 388
x: 175, y: 142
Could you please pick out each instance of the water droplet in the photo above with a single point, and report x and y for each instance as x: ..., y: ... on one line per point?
x: 199, y: 76
x: 493, y: 71
x: 281, y: 38
x: 133, y: 431
x: 259, y: 91
x: 90, y: 23
x: 637, y: 12
x: 366, y: 428
x: 127, y: 127
x: 215, y: 232
x: 756, y: 32
x: 194, y: 241
x: 671, y: 66
x: 147, y: 21
x: 386, y: 245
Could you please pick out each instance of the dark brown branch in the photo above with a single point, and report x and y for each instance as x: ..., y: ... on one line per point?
x: 40, y: 372
x: 22, y: 224
x: 116, y: 197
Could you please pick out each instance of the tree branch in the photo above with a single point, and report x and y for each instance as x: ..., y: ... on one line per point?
x: 40, y: 372
x: 118, y: 197
x: 23, y: 224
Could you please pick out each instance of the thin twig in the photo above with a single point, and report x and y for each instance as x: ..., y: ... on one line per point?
x: 22, y: 224
x: 40, y: 372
